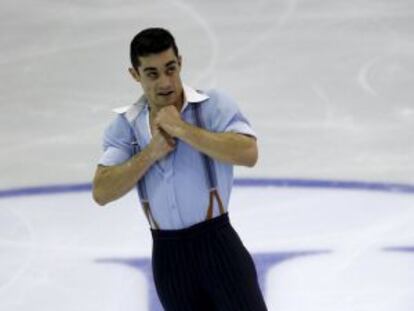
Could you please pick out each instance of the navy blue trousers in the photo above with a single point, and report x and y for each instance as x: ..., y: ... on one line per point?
x: 205, y: 268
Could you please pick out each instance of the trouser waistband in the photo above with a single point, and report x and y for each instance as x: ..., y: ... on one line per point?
x: 194, y: 230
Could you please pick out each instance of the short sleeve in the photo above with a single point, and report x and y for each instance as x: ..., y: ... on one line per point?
x: 224, y: 115
x: 117, y: 142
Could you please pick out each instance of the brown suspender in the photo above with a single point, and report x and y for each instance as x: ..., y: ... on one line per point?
x: 214, y: 193
x: 148, y: 214
x: 142, y: 191
x: 209, y: 169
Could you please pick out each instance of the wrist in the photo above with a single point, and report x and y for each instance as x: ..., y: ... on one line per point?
x: 181, y: 129
x: 150, y: 153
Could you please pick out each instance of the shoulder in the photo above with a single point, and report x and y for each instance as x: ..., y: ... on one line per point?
x: 130, y: 112
x: 216, y: 95
x: 220, y: 102
x: 118, y: 127
x: 218, y: 110
x: 122, y: 122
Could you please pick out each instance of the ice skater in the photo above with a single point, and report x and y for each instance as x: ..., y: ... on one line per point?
x: 178, y: 145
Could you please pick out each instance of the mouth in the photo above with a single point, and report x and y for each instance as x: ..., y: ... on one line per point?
x: 165, y: 94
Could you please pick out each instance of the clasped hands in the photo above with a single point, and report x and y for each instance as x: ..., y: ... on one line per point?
x: 168, y: 125
x: 169, y: 121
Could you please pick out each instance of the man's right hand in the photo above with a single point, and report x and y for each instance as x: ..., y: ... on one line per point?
x: 112, y: 182
x: 161, y: 144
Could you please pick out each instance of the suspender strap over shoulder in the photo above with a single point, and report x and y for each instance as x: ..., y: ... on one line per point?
x: 209, y: 169
x: 143, y: 194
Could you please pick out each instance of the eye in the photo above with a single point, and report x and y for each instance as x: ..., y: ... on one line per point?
x: 171, y: 70
x: 152, y: 75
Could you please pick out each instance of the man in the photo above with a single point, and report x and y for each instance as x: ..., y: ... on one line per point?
x: 179, y: 145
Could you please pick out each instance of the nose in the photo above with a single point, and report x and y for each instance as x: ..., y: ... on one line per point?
x: 164, y: 83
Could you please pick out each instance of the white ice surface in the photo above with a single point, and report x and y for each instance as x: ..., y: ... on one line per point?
x: 327, y: 85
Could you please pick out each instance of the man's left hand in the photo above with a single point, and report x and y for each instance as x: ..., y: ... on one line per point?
x: 169, y: 119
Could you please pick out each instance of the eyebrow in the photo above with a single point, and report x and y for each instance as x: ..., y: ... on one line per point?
x: 172, y: 62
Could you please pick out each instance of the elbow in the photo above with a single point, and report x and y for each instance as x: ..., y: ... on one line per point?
x: 252, y: 163
x: 251, y: 155
x: 98, y: 192
x: 98, y: 197
x: 99, y: 201
x: 252, y: 159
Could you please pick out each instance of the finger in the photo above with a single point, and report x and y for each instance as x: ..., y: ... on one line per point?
x: 157, y: 120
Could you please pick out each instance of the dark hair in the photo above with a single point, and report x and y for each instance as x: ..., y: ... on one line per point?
x: 151, y: 41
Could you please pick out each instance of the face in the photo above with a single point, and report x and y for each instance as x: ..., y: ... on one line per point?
x: 159, y: 76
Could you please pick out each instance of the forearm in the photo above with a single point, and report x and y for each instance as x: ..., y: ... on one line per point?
x: 227, y: 147
x: 112, y: 182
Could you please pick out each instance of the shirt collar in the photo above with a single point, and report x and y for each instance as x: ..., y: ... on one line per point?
x: 193, y: 96
x: 190, y: 96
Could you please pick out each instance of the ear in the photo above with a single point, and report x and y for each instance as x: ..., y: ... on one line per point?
x: 180, y: 60
x: 135, y: 75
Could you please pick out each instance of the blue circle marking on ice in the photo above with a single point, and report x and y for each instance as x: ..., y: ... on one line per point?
x: 245, y: 182
x: 331, y: 250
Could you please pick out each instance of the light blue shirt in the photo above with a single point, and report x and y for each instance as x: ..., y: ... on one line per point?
x: 177, y: 185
